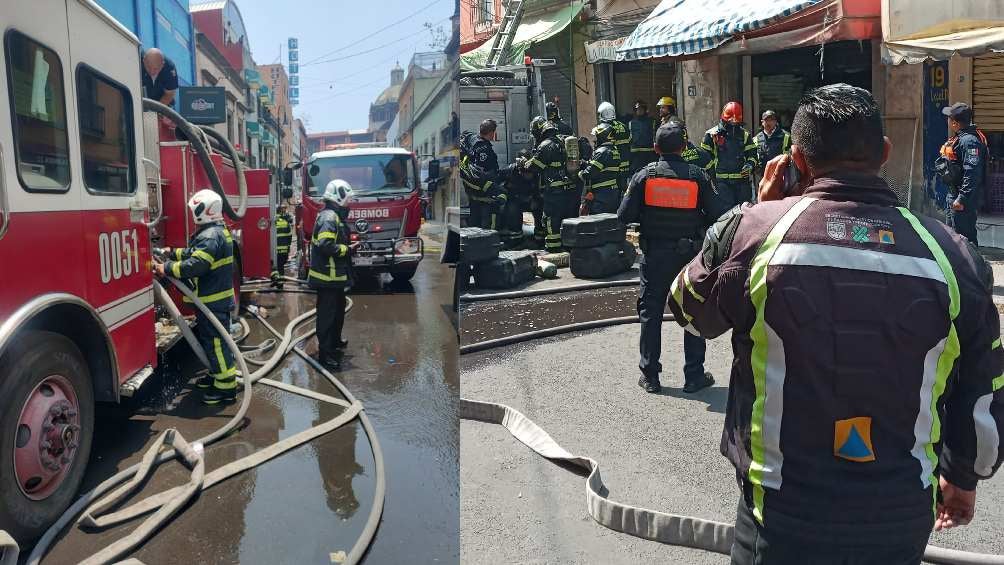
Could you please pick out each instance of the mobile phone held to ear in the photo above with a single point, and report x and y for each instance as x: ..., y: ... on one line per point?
x: 792, y: 177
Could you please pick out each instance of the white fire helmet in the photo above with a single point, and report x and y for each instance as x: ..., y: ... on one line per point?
x: 339, y: 192
x: 606, y: 111
x: 206, y: 206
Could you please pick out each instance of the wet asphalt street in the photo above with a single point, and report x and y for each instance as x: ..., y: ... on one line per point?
x: 654, y: 451
x: 311, y: 503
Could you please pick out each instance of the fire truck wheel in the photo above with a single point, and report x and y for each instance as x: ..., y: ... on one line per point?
x: 46, y: 427
x: 404, y: 275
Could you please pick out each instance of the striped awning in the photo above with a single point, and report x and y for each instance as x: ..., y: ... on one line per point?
x: 687, y: 27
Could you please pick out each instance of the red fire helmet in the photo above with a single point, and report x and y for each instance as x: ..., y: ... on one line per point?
x: 733, y: 113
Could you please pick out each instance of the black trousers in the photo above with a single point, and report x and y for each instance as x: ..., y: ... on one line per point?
x: 754, y: 545
x: 964, y: 223
x: 658, y: 269
x: 558, y: 205
x: 539, y: 229
x: 739, y: 190
x: 605, y: 201
x: 280, y: 262
x: 330, y: 319
x: 483, y: 215
x: 221, y: 360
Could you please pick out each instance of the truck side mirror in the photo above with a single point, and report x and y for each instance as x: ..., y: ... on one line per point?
x: 287, y: 176
x: 314, y: 170
x: 287, y: 193
x: 434, y: 169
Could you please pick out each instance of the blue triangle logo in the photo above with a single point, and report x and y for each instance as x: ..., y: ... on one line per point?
x: 855, y: 447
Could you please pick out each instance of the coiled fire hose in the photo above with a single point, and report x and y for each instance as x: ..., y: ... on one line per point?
x: 654, y: 525
x: 168, y: 503
x: 194, y: 137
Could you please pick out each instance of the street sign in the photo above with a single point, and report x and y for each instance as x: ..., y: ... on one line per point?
x: 293, y: 43
x: 203, y: 105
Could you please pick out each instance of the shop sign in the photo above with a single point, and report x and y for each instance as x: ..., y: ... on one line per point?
x: 604, y: 50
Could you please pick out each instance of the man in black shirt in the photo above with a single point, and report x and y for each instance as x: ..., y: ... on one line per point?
x: 160, y: 77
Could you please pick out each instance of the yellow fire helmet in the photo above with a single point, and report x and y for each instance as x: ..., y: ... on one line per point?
x: 667, y: 101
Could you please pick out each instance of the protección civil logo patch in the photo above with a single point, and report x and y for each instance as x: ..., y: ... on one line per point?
x: 852, y: 439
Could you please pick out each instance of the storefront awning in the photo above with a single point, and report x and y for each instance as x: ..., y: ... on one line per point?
x: 533, y: 29
x: 985, y: 37
x: 687, y: 27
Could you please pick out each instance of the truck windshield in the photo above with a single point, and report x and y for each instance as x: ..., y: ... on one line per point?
x: 369, y: 175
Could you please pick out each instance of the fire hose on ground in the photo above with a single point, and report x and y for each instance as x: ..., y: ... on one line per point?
x: 654, y: 525
x: 165, y: 505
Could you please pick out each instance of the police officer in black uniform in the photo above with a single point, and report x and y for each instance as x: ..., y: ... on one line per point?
x: 561, y: 200
x: 674, y: 202
x: 601, y: 174
x: 642, y: 128
x: 554, y: 116
x: 330, y: 271
x: 479, y: 169
x: 962, y: 166
x: 772, y: 141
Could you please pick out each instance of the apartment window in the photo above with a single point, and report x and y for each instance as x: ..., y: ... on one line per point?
x: 486, y: 10
x: 106, y: 133
x: 230, y: 125
x: 38, y: 113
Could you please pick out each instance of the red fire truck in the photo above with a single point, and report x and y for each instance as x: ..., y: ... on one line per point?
x: 78, y: 220
x: 387, y: 209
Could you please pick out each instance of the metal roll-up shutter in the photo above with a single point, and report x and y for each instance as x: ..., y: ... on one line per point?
x: 645, y: 80
x: 988, y: 92
x: 556, y: 81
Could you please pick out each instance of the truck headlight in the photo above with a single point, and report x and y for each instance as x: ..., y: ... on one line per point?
x: 406, y: 247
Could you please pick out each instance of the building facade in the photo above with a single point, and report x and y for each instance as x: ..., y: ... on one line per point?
x: 164, y: 24
x: 384, y: 108
x: 275, y: 75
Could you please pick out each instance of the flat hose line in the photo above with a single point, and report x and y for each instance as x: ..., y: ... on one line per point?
x: 166, y: 504
x: 654, y: 525
x: 544, y: 291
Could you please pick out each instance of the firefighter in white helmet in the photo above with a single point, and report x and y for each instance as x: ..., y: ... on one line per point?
x: 621, y: 137
x: 329, y: 275
x: 208, y: 263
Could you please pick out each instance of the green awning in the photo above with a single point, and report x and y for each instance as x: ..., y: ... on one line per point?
x: 533, y: 29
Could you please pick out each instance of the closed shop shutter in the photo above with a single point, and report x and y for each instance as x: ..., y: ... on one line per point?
x: 556, y: 80
x: 644, y: 80
x: 988, y: 92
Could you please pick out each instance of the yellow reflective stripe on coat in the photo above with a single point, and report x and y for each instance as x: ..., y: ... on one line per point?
x: 228, y: 293
x: 677, y: 294
x: 223, y: 262
x: 203, y: 255
x: 926, y: 439
x: 177, y: 254
x: 768, y: 378
x: 322, y: 277
x: 612, y: 183
x: 598, y: 165
x: 176, y: 269
x: 325, y: 235
x: 690, y: 287
x: 732, y: 176
x: 642, y: 150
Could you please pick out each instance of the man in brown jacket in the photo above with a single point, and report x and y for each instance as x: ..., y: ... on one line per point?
x: 865, y: 402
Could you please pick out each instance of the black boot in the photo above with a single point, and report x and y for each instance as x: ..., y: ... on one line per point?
x: 342, y: 344
x: 650, y: 384
x: 698, y: 384
x: 214, y: 396
x: 204, y: 382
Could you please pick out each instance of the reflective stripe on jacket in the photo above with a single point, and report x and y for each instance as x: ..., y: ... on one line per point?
x: 208, y: 262
x: 283, y: 233
x: 329, y: 252
x: 866, y: 342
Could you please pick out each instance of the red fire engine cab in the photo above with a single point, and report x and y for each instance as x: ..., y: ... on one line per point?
x: 387, y: 209
x: 81, y: 208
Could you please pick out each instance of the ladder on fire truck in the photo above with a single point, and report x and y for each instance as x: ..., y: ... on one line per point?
x: 505, y: 34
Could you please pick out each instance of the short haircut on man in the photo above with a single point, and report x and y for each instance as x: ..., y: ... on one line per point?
x: 488, y: 126
x: 838, y: 123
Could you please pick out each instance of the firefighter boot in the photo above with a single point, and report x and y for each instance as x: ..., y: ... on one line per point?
x: 221, y: 395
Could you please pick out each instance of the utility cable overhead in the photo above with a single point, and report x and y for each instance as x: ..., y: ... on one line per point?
x: 385, y: 45
x: 371, y: 34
